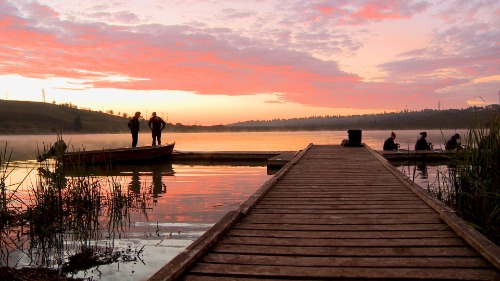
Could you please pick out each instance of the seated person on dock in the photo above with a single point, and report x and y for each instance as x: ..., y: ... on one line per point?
x: 452, y: 143
x: 389, y: 143
x: 422, y: 143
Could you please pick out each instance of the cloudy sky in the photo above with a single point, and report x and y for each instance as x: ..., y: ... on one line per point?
x: 212, y: 62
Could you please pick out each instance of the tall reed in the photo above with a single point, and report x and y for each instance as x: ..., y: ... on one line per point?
x: 61, y: 222
x: 4, y: 174
x: 11, y: 208
x: 66, y: 211
x: 477, y: 178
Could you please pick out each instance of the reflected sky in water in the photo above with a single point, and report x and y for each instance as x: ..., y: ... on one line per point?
x: 172, y: 206
x: 434, y: 177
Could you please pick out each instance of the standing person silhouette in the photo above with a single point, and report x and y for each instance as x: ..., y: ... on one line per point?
x: 133, y: 125
x: 156, y: 124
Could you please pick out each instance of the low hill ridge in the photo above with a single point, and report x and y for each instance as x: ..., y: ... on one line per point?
x: 25, y: 117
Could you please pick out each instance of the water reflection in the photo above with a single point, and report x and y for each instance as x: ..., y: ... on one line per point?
x: 70, y: 211
x: 135, y: 183
x: 436, y: 177
x: 128, y: 219
x: 425, y: 171
x: 155, y: 172
x: 422, y: 170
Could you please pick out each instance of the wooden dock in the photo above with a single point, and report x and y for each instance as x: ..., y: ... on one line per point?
x: 422, y: 155
x: 223, y: 156
x: 340, y: 213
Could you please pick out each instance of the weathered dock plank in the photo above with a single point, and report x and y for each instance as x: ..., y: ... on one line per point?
x: 344, y: 272
x: 354, y: 242
x: 431, y: 262
x: 444, y: 251
x: 338, y: 213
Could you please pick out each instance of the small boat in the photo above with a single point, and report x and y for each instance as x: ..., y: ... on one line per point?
x: 118, y: 155
x: 429, y: 155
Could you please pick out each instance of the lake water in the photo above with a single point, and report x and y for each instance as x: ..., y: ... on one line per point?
x: 26, y: 147
x: 175, y: 204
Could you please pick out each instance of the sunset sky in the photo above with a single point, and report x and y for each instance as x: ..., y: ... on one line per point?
x: 211, y: 62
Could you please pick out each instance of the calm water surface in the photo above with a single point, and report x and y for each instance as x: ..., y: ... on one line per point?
x: 26, y: 147
x: 178, y: 203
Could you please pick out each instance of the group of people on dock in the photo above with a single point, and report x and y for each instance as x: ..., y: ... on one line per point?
x: 155, y: 124
x: 422, y: 143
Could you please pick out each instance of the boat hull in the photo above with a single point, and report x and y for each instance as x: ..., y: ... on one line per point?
x: 119, y: 155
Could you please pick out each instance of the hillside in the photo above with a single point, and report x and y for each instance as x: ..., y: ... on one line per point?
x: 24, y: 117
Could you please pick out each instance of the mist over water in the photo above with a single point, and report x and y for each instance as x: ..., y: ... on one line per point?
x: 25, y: 147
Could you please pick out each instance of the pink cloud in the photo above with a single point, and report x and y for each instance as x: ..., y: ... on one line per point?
x: 357, y: 12
x: 470, y: 50
x: 172, y: 60
x: 377, y: 10
x: 41, y: 12
x: 163, y: 58
x: 217, y: 61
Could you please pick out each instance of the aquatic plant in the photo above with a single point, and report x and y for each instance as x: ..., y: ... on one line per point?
x: 66, y: 210
x: 11, y: 208
x: 443, y: 186
x: 60, y: 223
x: 477, y: 178
x: 4, y: 174
x: 437, y: 178
x: 470, y: 183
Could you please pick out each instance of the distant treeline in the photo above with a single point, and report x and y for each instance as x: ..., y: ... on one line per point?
x: 23, y: 117
x: 423, y: 119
